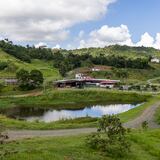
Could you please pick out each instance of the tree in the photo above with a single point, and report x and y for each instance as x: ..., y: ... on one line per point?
x: 29, y: 81
x: 3, y: 65
x: 23, y: 77
x: 36, y: 79
x: 110, y: 137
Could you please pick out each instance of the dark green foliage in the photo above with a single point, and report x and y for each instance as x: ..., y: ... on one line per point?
x: 3, y: 65
x: 23, y: 79
x: 29, y: 81
x: 110, y: 137
x: 1, y: 86
x: 145, y: 125
x: 121, y: 73
x: 15, y: 50
x: 36, y: 79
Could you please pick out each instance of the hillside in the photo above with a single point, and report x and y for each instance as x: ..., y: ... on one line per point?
x: 134, y: 60
x: 15, y: 64
x: 132, y: 52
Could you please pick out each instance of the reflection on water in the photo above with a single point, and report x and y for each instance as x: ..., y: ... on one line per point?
x: 30, y: 114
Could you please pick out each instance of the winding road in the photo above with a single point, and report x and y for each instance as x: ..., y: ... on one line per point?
x: 147, y: 115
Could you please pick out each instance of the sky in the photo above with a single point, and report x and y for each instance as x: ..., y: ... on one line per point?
x: 73, y: 24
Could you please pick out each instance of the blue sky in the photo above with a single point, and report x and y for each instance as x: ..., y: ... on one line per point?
x: 100, y: 22
x: 139, y: 15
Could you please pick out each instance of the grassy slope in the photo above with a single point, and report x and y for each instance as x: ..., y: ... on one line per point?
x: 144, y: 146
x: 127, y: 51
x: 46, y: 67
x: 134, y: 75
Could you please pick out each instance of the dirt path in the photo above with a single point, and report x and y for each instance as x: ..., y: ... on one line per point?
x: 33, y: 94
x: 147, y: 115
x: 14, y: 135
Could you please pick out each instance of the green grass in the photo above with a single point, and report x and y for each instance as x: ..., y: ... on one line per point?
x: 144, y: 146
x: 135, y: 112
x: 45, y: 67
x: 157, y: 115
x: 74, y: 99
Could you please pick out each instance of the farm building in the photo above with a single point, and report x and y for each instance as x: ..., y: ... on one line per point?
x: 155, y: 60
x: 10, y: 81
x: 79, y: 83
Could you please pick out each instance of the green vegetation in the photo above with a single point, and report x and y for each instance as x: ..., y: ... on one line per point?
x: 157, y: 116
x: 131, y: 114
x: 144, y: 146
x: 74, y: 98
x: 63, y: 124
x: 110, y: 137
x: 14, y: 65
x: 29, y: 81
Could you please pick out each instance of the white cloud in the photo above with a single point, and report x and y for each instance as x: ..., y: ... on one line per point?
x: 108, y: 36
x: 157, y: 42
x: 146, y: 40
x: 57, y: 46
x: 41, y: 44
x: 47, y: 20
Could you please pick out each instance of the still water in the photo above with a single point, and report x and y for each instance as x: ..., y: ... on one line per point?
x: 50, y: 115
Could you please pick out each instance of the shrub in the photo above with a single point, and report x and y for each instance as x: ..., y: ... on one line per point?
x: 145, y: 125
x: 3, y: 65
x: 110, y: 137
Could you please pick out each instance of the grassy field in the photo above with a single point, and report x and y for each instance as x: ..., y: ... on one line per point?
x: 114, y: 97
x: 45, y: 67
x: 144, y: 146
x: 157, y: 115
x: 74, y: 98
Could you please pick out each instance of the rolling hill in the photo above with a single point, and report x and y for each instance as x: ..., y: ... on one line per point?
x: 15, y: 64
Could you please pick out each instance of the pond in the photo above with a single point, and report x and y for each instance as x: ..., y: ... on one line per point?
x: 50, y: 115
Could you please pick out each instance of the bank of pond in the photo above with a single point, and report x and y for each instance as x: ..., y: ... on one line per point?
x: 69, y: 108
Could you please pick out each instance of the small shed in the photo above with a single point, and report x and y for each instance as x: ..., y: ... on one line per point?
x: 155, y: 60
x: 11, y: 81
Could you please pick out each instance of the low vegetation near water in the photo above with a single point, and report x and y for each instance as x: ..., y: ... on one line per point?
x: 72, y: 97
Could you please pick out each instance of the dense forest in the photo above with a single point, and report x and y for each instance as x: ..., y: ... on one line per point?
x: 66, y: 60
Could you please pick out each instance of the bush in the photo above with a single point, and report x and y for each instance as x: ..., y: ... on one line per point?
x: 3, y: 136
x: 3, y: 65
x: 145, y: 125
x: 110, y: 137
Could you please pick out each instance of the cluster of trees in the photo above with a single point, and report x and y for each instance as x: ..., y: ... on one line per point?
x: 15, y: 50
x: 122, y: 61
x: 67, y: 60
x: 29, y: 80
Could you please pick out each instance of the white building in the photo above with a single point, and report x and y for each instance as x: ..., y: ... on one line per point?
x: 155, y: 60
x: 95, y: 70
x: 79, y: 76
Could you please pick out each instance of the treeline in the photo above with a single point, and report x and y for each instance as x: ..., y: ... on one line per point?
x: 122, y: 61
x: 17, y: 51
x: 67, y: 60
